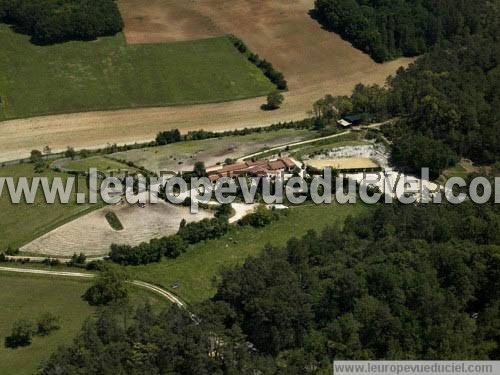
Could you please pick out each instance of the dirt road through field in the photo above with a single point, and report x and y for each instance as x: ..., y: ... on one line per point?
x: 315, y: 62
x: 172, y: 298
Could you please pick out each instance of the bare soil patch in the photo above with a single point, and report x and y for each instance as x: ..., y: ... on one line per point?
x: 280, y: 31
x: 315, y: 62
x: 92, y: 235
x: 165, y: 21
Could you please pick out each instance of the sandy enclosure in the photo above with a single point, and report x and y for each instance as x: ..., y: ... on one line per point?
x: 347, y: 163
x: 92, y: 235
x: 315, y: 62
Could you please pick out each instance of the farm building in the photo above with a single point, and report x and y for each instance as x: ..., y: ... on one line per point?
x: 258, y: 168
x: 355, y: 119
x: 344, y: 123
x: 345, y: 165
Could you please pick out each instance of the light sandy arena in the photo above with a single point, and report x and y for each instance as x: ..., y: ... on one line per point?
x: 92, y: 235
x: 342, y: 164
x: 315, y: 62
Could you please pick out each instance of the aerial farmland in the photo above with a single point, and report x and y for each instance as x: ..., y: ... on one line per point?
x: 248, y: 186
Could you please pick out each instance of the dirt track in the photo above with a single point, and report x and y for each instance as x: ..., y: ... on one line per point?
x: 172, y: 298
x: 314, y: 61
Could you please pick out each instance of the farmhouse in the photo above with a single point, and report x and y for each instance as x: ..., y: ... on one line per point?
x: 258, y: 168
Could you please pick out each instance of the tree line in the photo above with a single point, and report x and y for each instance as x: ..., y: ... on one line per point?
x: 265, y: 66
x: 48, y: 21
x: 389, y: 29
x: 452, y: 95
x: 189, y: 234
x: 169, y: 246
x: 174, y: 135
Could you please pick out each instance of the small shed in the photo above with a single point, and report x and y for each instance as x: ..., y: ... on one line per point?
x: 358, y: 118
x: 344, y: 123
x: 355, y: 119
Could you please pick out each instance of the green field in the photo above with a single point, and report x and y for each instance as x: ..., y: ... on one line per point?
x: 21, y: 223
x: 196, y: 270
x: 183, y: 155
x: 102, y: 164
x: 456, y: 171
x: 109, y: 74
x: 27, y: 297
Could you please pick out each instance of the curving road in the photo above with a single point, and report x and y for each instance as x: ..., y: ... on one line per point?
x: 162, y: 292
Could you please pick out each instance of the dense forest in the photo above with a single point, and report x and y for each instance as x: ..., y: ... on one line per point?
x: 448, y: 100
x: 400, y: 282
x: 52, y: 21
x: 386, y: 29
x: 452, y: 94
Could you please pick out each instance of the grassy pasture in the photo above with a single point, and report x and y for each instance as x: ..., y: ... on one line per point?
x: 102, y: 164
x: 21, y: 223
x: 196, y: 270
x: 28, y: 296
x: 456, y: 171
x: 109, y: 74
x: 183, y: 155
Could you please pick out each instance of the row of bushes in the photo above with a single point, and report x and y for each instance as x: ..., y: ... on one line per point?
x: 4, y: 259
x: 203, y: 134
x: 174, y: 136
x: 77, y: 260
x: 169, y: 246
x: 188, y: 234
x: 265, y: 66
x: 205, y: 229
